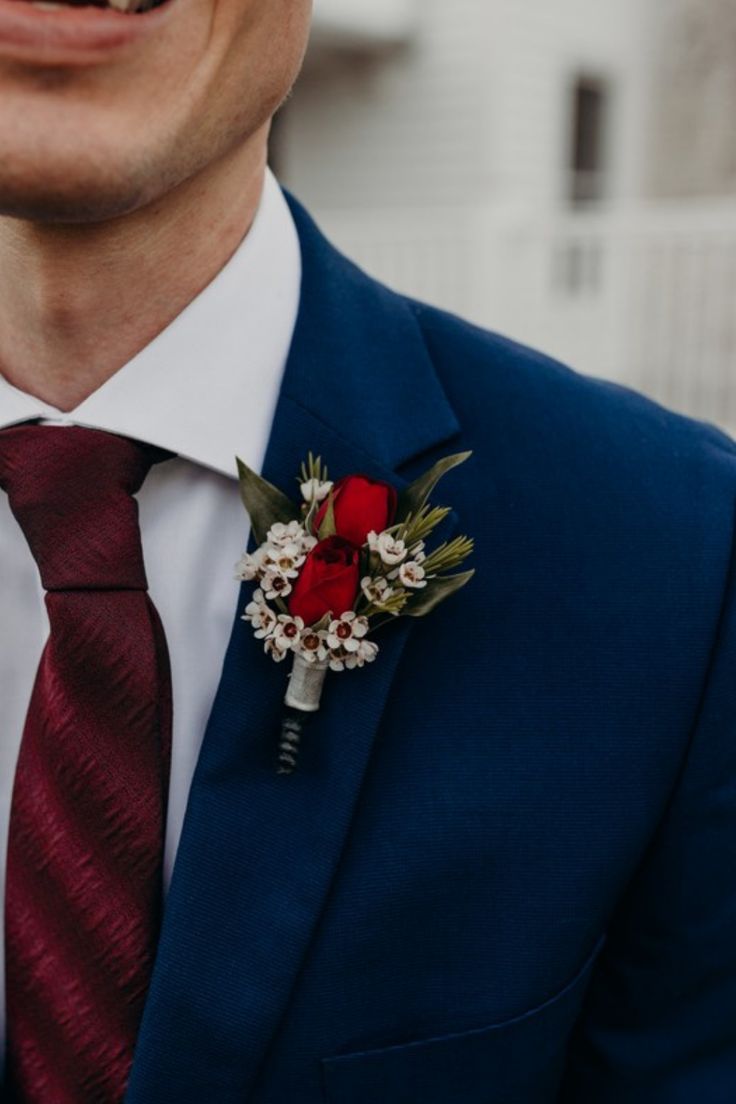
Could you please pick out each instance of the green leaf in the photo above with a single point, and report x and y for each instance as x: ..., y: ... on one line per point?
x: 415, y: 497
x: 328, y: 528
x: 448, y: 555
x: 265, y: 503
x: 435, y: 592
x: 418, y: 528
x: 392, y: 605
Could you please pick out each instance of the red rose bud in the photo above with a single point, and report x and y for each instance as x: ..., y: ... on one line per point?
x: 328, y: 582
x: 360, y: 505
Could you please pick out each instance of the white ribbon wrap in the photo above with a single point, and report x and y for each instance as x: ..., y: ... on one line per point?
x: 305, y: 685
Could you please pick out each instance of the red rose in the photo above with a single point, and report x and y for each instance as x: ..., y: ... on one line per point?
x: 361, y: 505
x: 328, y: 582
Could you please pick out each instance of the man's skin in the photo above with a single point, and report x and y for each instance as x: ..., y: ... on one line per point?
x: 127, y: 180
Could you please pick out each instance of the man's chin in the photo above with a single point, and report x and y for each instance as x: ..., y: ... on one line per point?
x: 55, y: 191
x: 49, y: 206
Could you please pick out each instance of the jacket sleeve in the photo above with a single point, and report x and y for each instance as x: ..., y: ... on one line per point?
x: 659, y: 1022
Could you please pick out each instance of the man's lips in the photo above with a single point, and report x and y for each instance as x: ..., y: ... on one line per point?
x: 131, y: 6
x: 49, y: 34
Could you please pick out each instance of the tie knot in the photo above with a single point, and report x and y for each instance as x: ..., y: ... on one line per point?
x: 71, y: 491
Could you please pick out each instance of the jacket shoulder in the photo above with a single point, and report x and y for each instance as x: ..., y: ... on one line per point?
x: 523, y: 410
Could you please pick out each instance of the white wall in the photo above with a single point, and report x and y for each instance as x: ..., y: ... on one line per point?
x: 353, y: 22
x: 545, y: 47
x: 380, y: 129
x: 475, y: 107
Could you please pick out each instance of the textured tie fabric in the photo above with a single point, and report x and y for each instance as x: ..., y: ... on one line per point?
x: 84, y: 867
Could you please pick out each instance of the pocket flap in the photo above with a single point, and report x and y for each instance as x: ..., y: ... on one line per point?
x: 515, y: 1062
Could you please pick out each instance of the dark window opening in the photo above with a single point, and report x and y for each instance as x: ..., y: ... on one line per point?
x: 590, y: 110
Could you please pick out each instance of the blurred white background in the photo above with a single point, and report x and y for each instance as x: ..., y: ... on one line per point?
x: 564, y: 172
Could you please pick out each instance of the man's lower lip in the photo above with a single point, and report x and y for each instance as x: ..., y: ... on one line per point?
x: 74, y: 35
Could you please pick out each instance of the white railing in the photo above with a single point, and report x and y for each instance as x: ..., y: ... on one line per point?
x: 645, y: 296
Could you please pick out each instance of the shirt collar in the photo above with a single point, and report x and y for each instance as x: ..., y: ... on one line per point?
x: 206, y: 387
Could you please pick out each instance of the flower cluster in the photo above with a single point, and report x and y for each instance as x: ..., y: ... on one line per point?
x: 276, y: 563
x: 307, y: 588
x: 339, y: 564
x: 341, y: 644
x: 404, y: 565
x: 333, y: 568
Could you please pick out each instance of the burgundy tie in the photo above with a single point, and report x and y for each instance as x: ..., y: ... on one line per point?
x: 83, y: 897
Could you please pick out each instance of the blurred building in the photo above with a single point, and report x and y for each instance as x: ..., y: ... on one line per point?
x: 563, y: 173
x: 694, y: 138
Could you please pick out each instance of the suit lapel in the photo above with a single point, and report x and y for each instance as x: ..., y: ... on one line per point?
x: 258, y: 850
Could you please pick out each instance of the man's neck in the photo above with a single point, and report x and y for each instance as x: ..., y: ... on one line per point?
x: 78, y: 301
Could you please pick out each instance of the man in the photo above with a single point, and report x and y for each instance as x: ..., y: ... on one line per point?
x: 503, y: 872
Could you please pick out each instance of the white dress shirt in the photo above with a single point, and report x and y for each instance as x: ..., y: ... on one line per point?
x: 205, y: 388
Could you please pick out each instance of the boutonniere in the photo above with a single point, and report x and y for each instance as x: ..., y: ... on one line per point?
x: 333, y: 568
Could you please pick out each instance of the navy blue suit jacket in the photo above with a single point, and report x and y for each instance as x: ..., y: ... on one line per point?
x: 504, y: 873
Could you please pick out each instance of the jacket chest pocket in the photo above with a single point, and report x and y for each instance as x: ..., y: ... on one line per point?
x: 519, y: 1061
